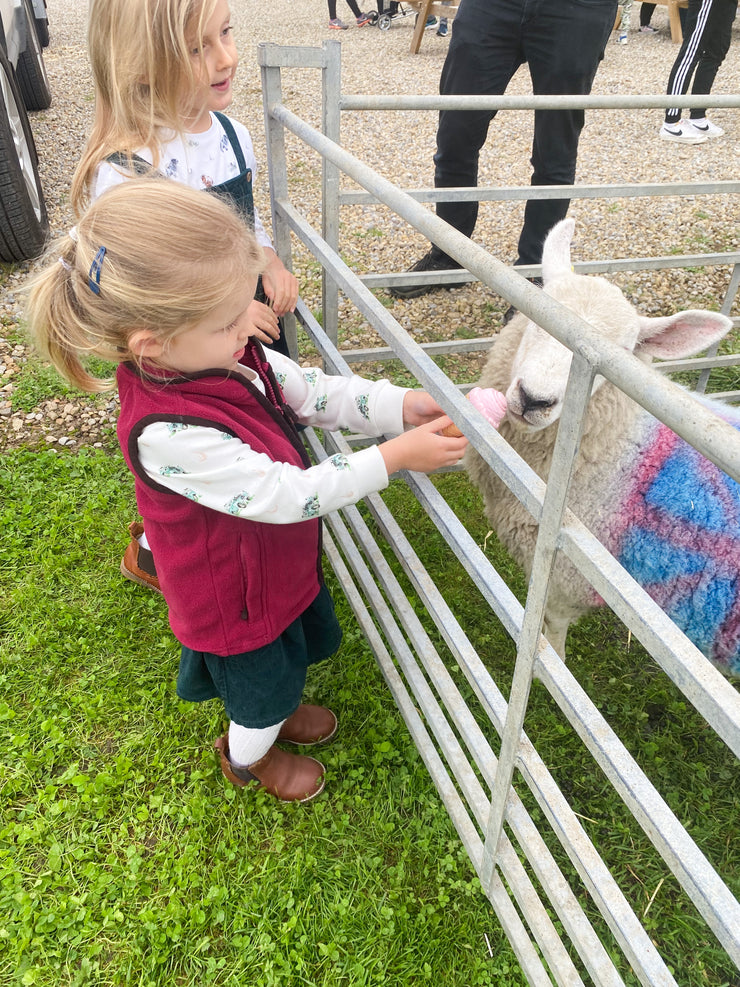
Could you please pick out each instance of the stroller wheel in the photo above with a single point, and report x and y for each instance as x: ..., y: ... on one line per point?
x: 372, y: 16
x: 384, y: 22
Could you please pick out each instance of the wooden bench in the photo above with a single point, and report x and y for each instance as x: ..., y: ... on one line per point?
x: 425, y: 9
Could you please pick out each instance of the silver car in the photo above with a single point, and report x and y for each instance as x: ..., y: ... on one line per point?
x: 24, y: 31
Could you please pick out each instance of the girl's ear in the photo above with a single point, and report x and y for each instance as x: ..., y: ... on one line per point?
x: 144, y: 344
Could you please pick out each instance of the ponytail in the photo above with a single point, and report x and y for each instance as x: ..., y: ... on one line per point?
x: 149, y: 254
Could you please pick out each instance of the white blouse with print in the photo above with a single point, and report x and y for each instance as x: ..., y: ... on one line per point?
x: 197, y: 160
x: 225, y: 474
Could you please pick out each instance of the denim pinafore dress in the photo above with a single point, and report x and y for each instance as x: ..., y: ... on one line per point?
x: 237, y: 190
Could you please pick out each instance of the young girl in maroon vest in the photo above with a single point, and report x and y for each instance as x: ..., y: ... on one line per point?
x: 158, y: 278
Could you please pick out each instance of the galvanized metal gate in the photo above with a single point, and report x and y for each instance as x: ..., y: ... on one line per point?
x: 539, y: 909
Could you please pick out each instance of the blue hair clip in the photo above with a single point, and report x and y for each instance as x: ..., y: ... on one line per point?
x: 93, y: 278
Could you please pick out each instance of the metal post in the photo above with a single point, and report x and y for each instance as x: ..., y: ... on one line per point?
x: 331, y: 81
x: 277, y: 170
x: 732, y: 289
x: 528, y: 646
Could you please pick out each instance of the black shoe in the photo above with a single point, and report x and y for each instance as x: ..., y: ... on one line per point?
x: 431, y: 261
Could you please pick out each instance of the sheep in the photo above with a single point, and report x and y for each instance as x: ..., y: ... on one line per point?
x: 664, y: 511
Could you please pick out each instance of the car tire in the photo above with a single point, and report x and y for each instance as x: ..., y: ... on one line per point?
x: 30, y: 70
x: 24, y: 224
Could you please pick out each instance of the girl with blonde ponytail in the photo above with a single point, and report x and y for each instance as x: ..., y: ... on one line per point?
x: 159, y: 278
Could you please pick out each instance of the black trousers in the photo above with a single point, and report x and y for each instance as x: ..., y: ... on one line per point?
x: 706, y: 41
x: 352, y: 4
x: 646, y: 12
x: 648, y: 9
x: 562, y: 42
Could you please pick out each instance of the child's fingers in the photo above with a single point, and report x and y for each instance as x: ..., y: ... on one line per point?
x: 264, y: 320
x: 266, y: 331
x: 282, y: 303
x: 266, y: 336
x: 437, y: 424
x: 282, y: 292
x: 420, y: 407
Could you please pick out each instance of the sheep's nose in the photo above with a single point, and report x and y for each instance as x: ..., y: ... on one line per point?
x: 530, y: 403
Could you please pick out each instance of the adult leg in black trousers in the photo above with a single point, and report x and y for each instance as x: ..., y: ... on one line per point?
x: 646, y: 12
x: 566, y: 66
x: 714, y: 47
x: 563, y: 43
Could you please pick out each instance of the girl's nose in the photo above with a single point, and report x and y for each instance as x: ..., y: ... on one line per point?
x: 225, y: 56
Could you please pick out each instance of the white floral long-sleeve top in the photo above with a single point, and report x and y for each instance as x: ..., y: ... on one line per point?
x: 197, y: 160
x: 225, y: 474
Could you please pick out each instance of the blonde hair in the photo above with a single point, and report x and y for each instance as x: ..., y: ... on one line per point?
x: 141, y: 64
x: 172, y: 255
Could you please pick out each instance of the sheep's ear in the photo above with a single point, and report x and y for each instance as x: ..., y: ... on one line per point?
x: 681, y: 335
x: 556, y: 250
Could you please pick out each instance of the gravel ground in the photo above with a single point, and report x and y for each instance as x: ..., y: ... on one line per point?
x: 616, y: 146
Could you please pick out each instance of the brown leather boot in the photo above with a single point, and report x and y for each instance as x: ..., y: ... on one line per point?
x: 289, y: 777
x: 309, y: 725
x: 137, y: 563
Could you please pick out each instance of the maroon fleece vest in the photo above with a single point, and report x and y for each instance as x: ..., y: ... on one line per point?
x: 231, y: 584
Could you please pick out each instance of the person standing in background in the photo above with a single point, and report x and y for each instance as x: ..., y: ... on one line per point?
x: 706, y: 41
x: 442, y: 29
x: 562, y: 44
x: 624, y: 24
x: 335, y: 24
x: 646, y: 14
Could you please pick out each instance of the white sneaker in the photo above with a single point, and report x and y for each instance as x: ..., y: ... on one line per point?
x: 681, y: 133
x: 648, y: 29
x: 706, y: 129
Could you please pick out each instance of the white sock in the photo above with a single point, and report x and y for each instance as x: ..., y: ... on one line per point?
x: 142, y: 540
x: 247, y: 745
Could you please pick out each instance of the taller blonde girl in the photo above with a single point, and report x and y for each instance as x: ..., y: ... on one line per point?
x: 164, y: 72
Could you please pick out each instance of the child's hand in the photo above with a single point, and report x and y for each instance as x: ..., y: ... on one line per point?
x: 265, y: 322
x: 420, y: 407
x: 281, y: 287
x: 423, y: 449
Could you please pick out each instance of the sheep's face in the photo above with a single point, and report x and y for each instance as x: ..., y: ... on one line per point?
x: 540, y: 368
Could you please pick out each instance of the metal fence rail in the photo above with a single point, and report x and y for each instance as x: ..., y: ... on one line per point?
x: 520, y: 874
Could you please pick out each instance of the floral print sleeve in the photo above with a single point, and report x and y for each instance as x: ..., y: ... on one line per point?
x: 332, y: 402
x: 218, y: 471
